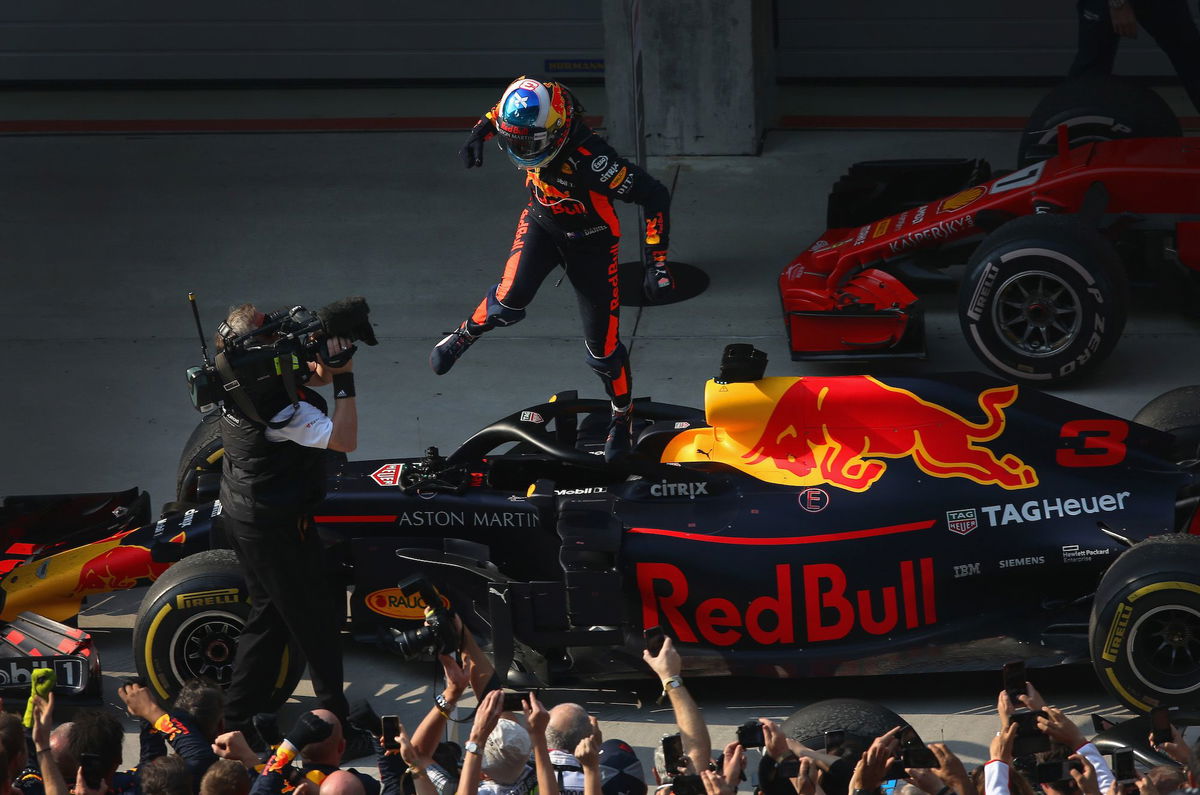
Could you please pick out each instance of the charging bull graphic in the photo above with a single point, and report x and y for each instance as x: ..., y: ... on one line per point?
x: 119, y: 568
x: 56, y: 585
x: 838, y: 431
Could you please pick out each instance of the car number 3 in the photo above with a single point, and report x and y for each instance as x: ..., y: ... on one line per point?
x: 1092, y: 443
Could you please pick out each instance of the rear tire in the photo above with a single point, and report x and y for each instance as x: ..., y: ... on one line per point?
x: 202, y: 457
x: 1095, y: 109
x: 1144, y: 632
x: 1044, y: 299
x: 202, y: 454
x: 1178, y: 413
x: 188, y: 625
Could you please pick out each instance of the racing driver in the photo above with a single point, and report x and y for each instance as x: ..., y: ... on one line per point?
x: 573, y: 177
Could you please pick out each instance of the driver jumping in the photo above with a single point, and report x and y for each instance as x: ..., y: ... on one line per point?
x: 573, y: 177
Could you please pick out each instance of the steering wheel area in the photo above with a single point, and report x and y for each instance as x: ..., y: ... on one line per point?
x: 531, y: 427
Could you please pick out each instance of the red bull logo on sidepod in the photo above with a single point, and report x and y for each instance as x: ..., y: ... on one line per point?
x: 840, y: 431
x: 118, y: 568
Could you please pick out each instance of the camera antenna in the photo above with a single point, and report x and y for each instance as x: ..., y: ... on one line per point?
x: 199, y: 330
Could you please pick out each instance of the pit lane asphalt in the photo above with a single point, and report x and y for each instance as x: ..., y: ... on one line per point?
x: 102, y: 236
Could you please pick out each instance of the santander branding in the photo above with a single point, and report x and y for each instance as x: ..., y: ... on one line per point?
x: 830, y: 607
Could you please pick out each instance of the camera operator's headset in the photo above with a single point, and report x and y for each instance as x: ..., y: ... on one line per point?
x: 255, y: 364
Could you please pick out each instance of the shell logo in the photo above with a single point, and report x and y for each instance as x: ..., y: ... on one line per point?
x: 394, y: 603
x: 961, y: 199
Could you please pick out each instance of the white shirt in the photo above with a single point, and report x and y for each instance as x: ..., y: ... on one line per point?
x: 306, y: 426
x: 570, y: 782
x: 1104, y: 774
x: 522, y: 786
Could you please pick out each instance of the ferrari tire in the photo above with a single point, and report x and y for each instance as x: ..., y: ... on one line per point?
x: 1095, y: 109
x: 1176, y: 412
x: 188, y: 625
x: 1144, y: 632
x: 202, y: 453
x: 1044, y: 299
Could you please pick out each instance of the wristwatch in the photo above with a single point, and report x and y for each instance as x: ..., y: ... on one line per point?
x: 471, y: 747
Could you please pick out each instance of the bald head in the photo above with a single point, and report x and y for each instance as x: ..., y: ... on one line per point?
x: 60, y: 750
x: 568, y: 726
x: 329, y: 750
x: 342, y: 782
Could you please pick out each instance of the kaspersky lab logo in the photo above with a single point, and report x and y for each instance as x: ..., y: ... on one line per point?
x: 840, y: 431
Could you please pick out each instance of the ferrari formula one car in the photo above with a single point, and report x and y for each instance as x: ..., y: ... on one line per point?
x: 1048, y: 248
x: 795, y: 527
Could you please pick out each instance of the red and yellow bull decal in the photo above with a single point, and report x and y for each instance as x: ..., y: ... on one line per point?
x: 840, y: 431
x: 55, y: 586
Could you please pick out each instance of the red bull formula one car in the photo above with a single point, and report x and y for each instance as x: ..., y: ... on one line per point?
x: 795, y: 527
x: 1049, y: 249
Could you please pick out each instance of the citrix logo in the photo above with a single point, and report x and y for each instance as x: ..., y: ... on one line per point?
x: 690, y: 490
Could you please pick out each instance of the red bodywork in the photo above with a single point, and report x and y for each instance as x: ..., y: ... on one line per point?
x: 839, y: 300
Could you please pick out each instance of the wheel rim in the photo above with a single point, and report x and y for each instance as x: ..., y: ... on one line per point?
x: 205, y: 646
x: 1037, y: 314
x: 1164, y: 649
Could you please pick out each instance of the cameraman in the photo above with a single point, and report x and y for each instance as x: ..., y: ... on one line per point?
x: 272, y: 477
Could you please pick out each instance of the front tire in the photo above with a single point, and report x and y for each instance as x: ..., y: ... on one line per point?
x: 1095, y: 109
x: 1044, y: 299
x: 189, y: 623
x: 1144, y: 632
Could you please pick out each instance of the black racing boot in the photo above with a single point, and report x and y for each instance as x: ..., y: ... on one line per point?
x: 250, y: 732
x: 446, y: 353
x: 360, y: 741
x: 620, y: 434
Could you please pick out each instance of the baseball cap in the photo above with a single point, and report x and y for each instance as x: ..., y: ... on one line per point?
x: 620, y: 770
x: 506, y: 752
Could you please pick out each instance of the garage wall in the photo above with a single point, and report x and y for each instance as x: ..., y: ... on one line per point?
x: 486, y: 40
x: 938, y: 38
x: 294, y: 39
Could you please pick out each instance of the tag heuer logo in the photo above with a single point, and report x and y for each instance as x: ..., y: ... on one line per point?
x: 531, y: 416
x: 962, y: 522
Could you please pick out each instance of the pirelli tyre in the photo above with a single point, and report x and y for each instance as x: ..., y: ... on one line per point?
x: 1044, y: 299
x: 189, y: 623
x: 1144, y: 632
x: 1178, y: 413
x: 198, y: 476
x: 860, y: 721
x: 1095, y: 109
x: 201, y: 456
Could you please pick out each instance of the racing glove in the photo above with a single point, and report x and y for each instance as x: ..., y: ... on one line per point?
x: 658, y: 282
x: 472, y: 151
x: 308, y: 728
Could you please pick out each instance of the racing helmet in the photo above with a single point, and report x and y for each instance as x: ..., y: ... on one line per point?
x: 533, y: 121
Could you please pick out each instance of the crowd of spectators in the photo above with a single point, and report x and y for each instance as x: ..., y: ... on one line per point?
x: 516, y: 745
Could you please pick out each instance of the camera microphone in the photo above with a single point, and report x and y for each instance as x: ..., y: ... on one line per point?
x: 348, y: 317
